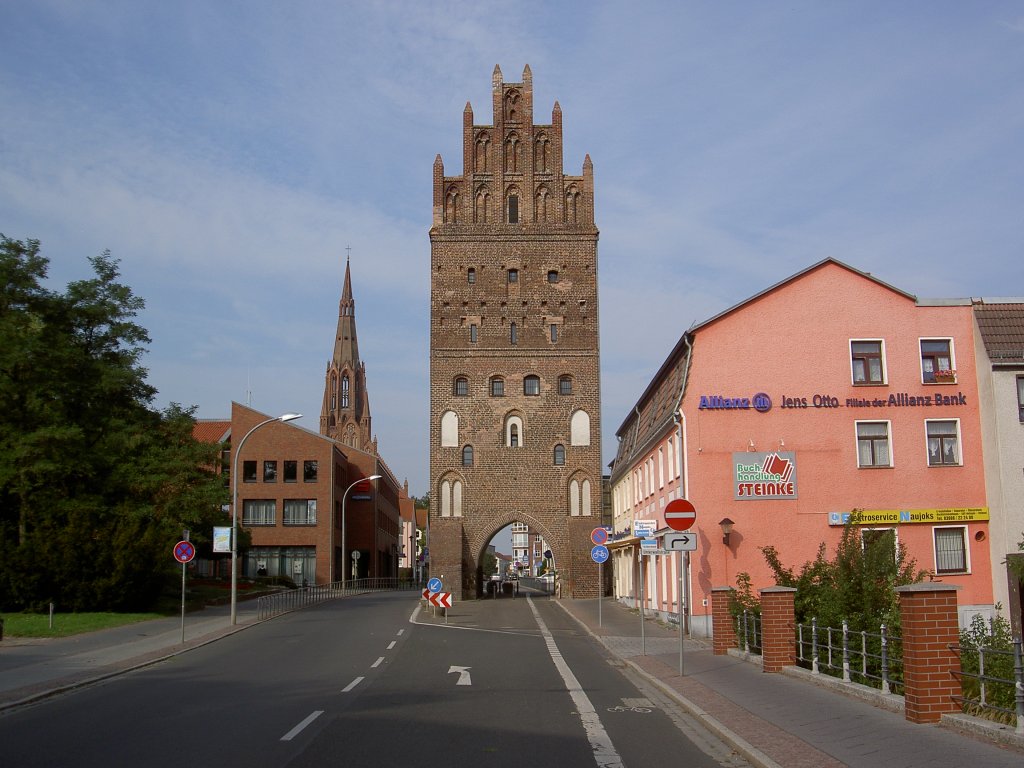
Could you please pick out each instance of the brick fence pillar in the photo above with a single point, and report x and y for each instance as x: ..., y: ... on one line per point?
x: 931, y: 632
x: 778, y: 622
x: 723, y: 628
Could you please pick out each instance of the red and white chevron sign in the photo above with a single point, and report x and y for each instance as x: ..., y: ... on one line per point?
x: 440, y: 599
x: 426, y: 594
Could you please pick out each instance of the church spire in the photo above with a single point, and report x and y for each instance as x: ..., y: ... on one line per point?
x: 345, y: 414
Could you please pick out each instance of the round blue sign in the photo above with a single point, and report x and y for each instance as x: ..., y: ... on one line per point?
x: 599, y: 554
x: 761, y: 402
x: 434, y: 585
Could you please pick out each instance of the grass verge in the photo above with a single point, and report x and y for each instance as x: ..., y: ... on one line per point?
x: 65, y: 624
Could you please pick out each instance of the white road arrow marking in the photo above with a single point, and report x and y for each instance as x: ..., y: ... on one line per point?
x: 464, y: 678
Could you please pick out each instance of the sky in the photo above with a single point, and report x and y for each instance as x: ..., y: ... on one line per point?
x: 232, y: 154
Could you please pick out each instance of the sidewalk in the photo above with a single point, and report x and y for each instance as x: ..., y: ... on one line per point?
x: 34, y: 668
x: 785, y: 719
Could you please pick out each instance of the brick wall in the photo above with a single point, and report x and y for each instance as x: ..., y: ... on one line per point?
x: 553, y: 249
x: 931, y: 632
x: 778, y: 627
x: 723, y: 628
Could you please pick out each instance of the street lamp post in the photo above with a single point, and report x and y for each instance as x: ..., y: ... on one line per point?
x: 234, y: 509
x: 344, y: 497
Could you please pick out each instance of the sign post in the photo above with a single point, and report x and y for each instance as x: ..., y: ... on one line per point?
x: 599, y: 554
x: 680, y: 515
x: 184, y: 551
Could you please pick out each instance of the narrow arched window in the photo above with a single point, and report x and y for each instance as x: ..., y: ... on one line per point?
x: 559, y: 455
x: 531, y: 385
x: 467, y: 456
x: 513, y: 436
x: 461, y: 388
x: 449, y: 429
x: 565, y: 385
x: 344, y: 391
x: 513, y: 334
x: 471, y: 275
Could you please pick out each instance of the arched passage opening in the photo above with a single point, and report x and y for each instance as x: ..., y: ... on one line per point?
x: 517, y: 556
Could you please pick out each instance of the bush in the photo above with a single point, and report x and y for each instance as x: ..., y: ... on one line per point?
x: 992, y: 635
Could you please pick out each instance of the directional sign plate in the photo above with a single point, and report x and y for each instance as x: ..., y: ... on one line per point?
x: 680, y: 542
x: 644, y: 528
x: 599, y: 554
x: 441, y: 599
x: 434, y: 585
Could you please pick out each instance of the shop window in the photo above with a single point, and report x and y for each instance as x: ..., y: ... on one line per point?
x: 868, y: 364
x: 943, y: 443
x: 951, y: 550
x: 873, y: 446
x: 937, y: 361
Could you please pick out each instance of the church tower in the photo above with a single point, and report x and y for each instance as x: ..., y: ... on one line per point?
x: 514, y: 366
x: 345, y: 414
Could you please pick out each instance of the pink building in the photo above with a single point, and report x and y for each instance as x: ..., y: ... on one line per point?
x: 827, y: 393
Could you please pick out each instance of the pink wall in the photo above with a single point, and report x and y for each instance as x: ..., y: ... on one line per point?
x: 794, y: 342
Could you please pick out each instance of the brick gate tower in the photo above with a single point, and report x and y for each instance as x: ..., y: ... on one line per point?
x: 514, y: 366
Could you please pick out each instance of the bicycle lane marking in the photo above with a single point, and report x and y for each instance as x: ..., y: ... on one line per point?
x: 604, y: 751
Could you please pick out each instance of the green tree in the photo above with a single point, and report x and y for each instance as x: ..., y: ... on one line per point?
x: 94, y: 485
x: 858, y: 584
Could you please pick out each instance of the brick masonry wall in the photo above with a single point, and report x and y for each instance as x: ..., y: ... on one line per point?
x: 507, y: 484
x: 778, y: 627
x: 931, y: 630
x: 723, y: 629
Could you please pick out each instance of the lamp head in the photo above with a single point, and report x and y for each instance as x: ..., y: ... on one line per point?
x: 289, y: 417
x: 727, y: 525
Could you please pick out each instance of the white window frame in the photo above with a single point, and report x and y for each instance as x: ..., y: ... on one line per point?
x: 959, y: 443
x: 888, y: 437
x: 885, y: 368
x: 965, y: 539
x: 952, y: 356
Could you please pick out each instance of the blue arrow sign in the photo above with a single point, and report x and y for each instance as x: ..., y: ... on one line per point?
x: 599, y: 554
x: 434, y: 585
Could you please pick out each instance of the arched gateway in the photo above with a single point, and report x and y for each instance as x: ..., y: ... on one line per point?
x: 514, y: 366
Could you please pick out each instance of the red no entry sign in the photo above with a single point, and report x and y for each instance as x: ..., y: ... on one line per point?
x: 680, y: 515
x: 184, y: 551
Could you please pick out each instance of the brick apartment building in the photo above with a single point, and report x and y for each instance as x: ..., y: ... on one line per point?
x: 296, y: 485
x: 514, y: 364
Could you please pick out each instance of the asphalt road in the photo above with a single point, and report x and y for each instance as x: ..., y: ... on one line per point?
x: 373, y: 681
